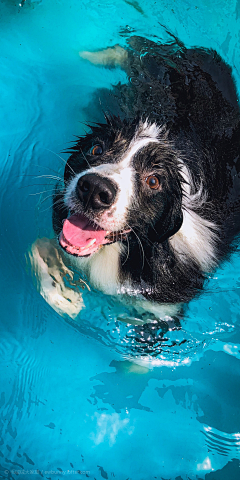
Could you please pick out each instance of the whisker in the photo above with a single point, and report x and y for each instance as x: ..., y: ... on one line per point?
x: 52, y: 204
x: 38, y: 176
x: 128, y: 251
x: 44, y: 191
x: 130, y: 209
x: 49, y: 196
x: 140, y: 243
x: 53, y: 177
x: 39, y: 185
x: 44, y: 166
x: 59, y: 201
x: 85, y: 158
x: 64, y: 161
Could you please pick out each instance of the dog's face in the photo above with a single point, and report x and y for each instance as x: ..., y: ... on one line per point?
x: 121, y: 177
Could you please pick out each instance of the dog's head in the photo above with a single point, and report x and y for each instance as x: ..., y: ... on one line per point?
x: 121, y: 177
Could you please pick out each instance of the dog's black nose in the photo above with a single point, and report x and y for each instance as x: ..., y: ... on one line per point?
x: 95, y: 191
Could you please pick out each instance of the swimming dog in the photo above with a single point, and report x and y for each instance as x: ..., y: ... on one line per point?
x: 151, y: 197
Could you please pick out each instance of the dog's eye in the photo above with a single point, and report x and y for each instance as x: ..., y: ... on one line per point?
x: 153, y: 182
x: 96, y: 150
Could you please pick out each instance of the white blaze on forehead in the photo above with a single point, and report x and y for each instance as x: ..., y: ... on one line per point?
x: 150, y: 130
x: 144, y: 135
x: 122, y: 173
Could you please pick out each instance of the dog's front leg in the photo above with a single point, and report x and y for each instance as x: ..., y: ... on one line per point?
x: 56, y: 281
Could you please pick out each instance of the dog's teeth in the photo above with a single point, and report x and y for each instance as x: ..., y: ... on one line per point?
x: 89, y: 244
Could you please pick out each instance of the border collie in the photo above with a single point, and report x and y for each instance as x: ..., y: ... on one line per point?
x: 151, y: 197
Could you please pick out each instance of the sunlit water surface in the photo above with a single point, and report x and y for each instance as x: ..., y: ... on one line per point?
x: 97, y: 397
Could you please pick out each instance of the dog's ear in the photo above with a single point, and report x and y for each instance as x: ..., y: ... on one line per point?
x: 169, y: 223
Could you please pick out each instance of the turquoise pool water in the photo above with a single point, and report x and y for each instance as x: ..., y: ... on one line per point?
x: 90, y: 398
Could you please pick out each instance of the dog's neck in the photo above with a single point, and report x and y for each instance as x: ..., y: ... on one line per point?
x: 102, y: 268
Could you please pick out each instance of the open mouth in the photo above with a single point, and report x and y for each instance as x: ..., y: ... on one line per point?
x: 81, y: 237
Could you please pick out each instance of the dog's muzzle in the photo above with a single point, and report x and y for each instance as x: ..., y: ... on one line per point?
x: 80, y: 235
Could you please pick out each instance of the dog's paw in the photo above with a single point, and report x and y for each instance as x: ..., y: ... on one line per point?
x: 55, y: 279
x: 110, y: 57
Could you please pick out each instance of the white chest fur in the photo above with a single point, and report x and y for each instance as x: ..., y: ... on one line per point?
x: 102, y: 268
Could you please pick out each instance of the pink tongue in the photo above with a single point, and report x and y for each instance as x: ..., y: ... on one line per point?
x: 78, y: 231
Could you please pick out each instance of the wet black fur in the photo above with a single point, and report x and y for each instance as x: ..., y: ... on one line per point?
x: 192, y: 93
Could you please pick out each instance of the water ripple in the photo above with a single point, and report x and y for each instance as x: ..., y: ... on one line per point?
x: 223, y: 443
